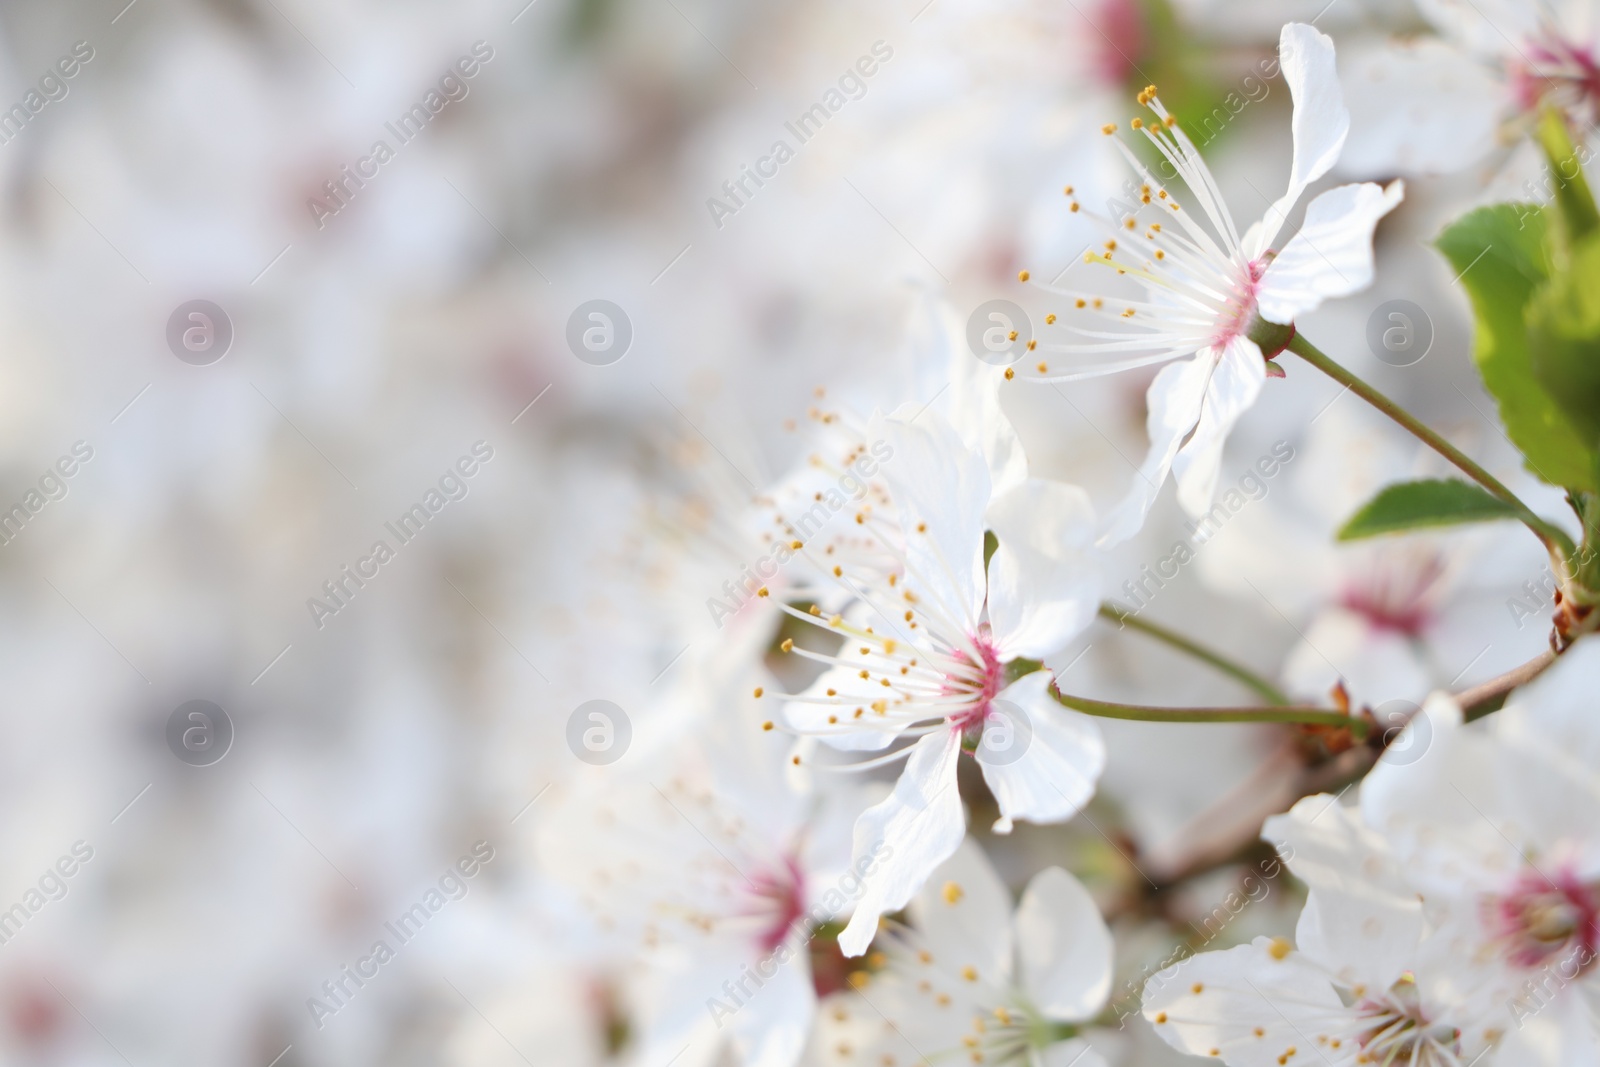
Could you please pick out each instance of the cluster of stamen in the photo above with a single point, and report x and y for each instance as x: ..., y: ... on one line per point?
x: 928, y: 672
x: 1201, y: 288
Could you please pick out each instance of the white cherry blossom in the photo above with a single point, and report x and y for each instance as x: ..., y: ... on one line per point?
x: 1367, y: 983
x: 926, y: 651
x: 1497, y: 827
x: 1206, y: 286
x: 1439, y: 104
x: 970, y: 978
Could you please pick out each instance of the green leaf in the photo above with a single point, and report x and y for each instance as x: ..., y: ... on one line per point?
x: 1499, y: 252
x: 1419, y: 505
x: 1574, y: 203
x: 1564, y: 338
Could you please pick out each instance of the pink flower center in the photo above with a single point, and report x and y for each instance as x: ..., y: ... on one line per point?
x: 1240, y: 312
x: 780, y: 896
x: 990, y: 679
x: 1541, y: 917
x: 1396, y: 593
x: 1552, y: 69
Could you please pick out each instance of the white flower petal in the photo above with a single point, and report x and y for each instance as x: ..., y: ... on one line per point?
x: 1402, y: 788
x: 1362, y: 919
x: 963, y: 916
x: 1253, y: 1003
x: 1055, y: 775
x: 968, y: 390
x: 1174, y: 401
x: 907, y: 835
x: 1331, y: 256
x: 1044, y: 588
x: 1557, y: 707
x: 1375, y: 663
x: 942, y: 490
x: 1491, y: 28
x: 1063, y: 947
x: 1418, y: 107
x: 1234, y: 385
x: 1561, y: 1033
x: 1073, y: 1052
x: 772, y: 1027
x: 1320, y: 123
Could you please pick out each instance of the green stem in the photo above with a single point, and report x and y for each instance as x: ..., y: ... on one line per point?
x: 1268, y: 692
x: 1555, y: 539
x: 1293, y: 713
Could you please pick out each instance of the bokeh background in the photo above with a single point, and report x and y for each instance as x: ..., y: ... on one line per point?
x: 374, y: 346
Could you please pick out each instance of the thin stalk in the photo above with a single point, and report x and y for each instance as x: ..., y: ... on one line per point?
x: 1555, y: 540
x: 1268, y: 692
x: 1293, y: 713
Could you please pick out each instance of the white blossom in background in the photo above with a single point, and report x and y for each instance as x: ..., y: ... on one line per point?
x: 968, y: 978
x: 712, y: 873
x: 1497, y: 827
x: 1366, y: 983
x: 1389, y: 618
x: 1206, y: 287
x: 1437, y: 104
x: 925, y: 654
